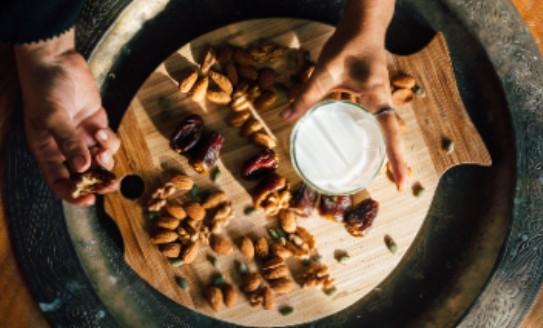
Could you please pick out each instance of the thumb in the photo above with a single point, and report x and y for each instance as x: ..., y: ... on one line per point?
x: 318, y: 87
x: 69, y: 141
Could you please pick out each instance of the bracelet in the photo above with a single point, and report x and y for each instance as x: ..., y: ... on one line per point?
x: 384, y: 111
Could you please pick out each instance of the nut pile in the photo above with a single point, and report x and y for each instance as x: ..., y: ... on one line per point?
x: 404, y: 89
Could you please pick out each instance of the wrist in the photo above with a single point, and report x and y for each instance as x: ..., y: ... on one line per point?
x: 46, y: 52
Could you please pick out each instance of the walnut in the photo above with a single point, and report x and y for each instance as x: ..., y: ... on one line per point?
x: 95, y: 180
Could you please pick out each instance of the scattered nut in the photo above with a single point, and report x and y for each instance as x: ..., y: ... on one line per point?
x: 182, y: 182
x: 277, y: 272
x: 222, y: 82
x: 262, y: 248
x: 287, y: 220
x: 220, y: 245
x: 190, y: 252
x: 164, y: 237
x: 214, y: 297
x: 403, y: 81
x: 251, y: 282
x: 401, y: 97
x: 281, y: 251
x: 230, y: 295
x: 198, y: 91
x: 171, y: 250
x: 250, y: 127
x: 239, y: 104
x: 214, y: 199
x: 175, y: 211
x: 266, y: 100
x: 208, y: 60
x: 263, y: 139
x: 218, y: 97
x: 167, y: 223
x: 195, y: 211
x: 247, y: 248
x: 267, y: 295
x: 237, y: 119
x: 282, y: 285
x: 187, y: 81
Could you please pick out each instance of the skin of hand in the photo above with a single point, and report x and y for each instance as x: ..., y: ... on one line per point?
x: 64, y: 119
x: 354, y: 61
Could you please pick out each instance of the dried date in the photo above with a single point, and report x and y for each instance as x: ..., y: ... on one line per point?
x: 187, y: 134
x: 265, y: 162
x: 304, y: 200
x: 334, y: 207
x: 92, y: 181
x: 206, y: 153
x: 360, y: 217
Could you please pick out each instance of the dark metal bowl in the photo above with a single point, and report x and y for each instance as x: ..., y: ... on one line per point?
x: 477, y: 260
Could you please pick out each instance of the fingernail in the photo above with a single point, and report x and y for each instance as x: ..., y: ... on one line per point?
x: 105, y: 158
x: 287, y: 113
x: 78, y: 161
x: 101, y: 135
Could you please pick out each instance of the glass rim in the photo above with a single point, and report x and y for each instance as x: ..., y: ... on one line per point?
x: 294, y: 134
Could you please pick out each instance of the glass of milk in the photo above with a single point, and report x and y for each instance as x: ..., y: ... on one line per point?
x: 337, y: 147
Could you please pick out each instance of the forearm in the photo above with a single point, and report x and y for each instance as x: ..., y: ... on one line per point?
x: 367, y: 18
x: 45, y: 51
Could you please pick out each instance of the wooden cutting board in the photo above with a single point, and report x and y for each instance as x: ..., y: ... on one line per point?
x: 158, y: 107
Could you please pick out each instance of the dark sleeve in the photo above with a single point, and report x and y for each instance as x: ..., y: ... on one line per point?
x: 25, y: 21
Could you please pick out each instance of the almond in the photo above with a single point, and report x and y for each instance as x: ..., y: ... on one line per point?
x: 214, y: 199
x: 231, y: 73
x: 262, y: 248
x: 402, y: 97
x: 181, y: 182
x: 230, y: 295
x: 287, y: 221
x: 251, y: 282
x: 267, y: 295
x: 242, y: 57
x: 208, y: 60
x: 277, y: 272
x: 164, y: 237
x: 190, y: 252
x: 218, y: 97
x: 248, y: 72
x: 236, y: 119
x: 195, y: 211
x: 250, y: 127
x: 198, y: 91
x: 220, y: 244
x: 171, y: 250
x: 167, y: 223
x: 176, y: 211
x: 221, y: 81
x: 403, y: 81
x: 263, y: 139
x: 188, y: 80
x: 247, y: 248
x: 282, y: 285
x: 214, y: 297
x: 240, y: 104
x: 266, y: 100
x: 266, y: 78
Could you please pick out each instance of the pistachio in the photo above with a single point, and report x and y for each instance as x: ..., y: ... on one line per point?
x: 279, y: 250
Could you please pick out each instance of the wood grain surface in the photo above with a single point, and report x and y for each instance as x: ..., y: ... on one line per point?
x: 158, y: 107
x: 17, y: 308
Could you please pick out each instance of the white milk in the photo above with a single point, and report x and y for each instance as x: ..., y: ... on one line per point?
x: 337, y: 147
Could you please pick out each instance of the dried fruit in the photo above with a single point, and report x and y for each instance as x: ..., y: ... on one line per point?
x: 282, y: 285
x: 403, y: 81
x: 250, y: 127
x: 266, y: 78
x: 187, y: 134
x: 262, y: 248
x: 271, y: 183
x: 220, y: 244
x: 304, y: 200
x: 214, y: 199
x: 224, y: 54
x: 417, y: 189
x: 231, y: 73
x: 247, y: 248
x: 237, y: 119
x: 333, y: 207
x: 251, y: 282
x: 187, y: 81
x: 263, y: 139
x: 95, y: 180
x: 267, y: 298
x: 360, y: 217
x: 171, y: 250
x: 391, y: 244
x: 208, y: 60
x: 214, y: 297
x: 402, y: 97
x: 167, y: 223
x: 264, y: 162
x: 265, y: 100
x: 181, y: 182
x: 248, y: 72
x: 207, y: 151
x: 199, y: 89
x: 195, y: 211
x: 218, y: 97
x: 164, y: 237
x: 230, y: 295
x: 240, y: 103
x: 287, y: 221
x: 190, y: 252
x: 222, y: 82
x: 242, y: 57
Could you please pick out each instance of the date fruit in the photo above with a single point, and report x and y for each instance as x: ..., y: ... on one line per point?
x: 207, y: 151
x: 304, y: 200
x: 334, y: 207
x: 187, y: 134
x: 92, y: 181
x: 360, y: 217
x: 265, y: 162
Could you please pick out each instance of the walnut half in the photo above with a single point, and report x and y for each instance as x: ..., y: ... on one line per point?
x: 92, y: 181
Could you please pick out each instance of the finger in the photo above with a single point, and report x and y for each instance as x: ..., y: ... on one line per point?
x: 104, y: 159
x: 69, y: 141
x: 318, y: 86
x: 394, y: 148
x: 108, y: 140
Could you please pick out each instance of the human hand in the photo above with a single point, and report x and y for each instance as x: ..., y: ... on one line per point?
x: 65, y: 122
x: 354, y: 61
